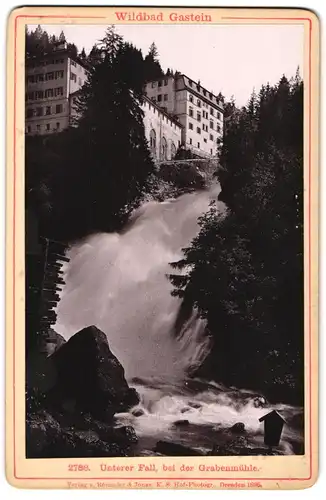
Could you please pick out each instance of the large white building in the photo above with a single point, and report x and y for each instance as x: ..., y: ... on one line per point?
x: 50, y: 81
x: 199, y: 111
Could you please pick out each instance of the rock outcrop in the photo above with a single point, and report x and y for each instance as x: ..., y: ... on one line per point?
x: 71, y: 414
x: 90, y: 376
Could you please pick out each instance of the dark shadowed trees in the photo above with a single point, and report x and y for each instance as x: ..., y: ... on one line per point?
x: 244, y: 271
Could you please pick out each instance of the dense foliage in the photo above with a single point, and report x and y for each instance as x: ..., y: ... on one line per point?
x: 38, y: 43
x: 244, y: 271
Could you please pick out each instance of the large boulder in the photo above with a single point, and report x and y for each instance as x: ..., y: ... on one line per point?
x: 89, y: 378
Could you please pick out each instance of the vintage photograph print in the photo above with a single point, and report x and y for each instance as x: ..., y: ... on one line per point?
x: 162, y: 248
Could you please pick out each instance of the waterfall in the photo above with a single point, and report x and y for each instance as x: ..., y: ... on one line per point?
x: 118, y: 283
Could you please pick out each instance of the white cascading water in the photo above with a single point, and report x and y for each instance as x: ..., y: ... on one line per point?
x: 118, y: 283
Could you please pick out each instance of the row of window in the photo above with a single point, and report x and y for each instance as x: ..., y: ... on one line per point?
x: 205, y: 127
x: 40, y: 111
x: 205, y: 105
x: 44, y: 94
x: 198, y: 145
x: 205, y: 92
x: 45, y: 63
x: 73, y: 77
x: 160, y: 83
x: 160, y: 98
x: 44, y: 77
x: 47, y: 127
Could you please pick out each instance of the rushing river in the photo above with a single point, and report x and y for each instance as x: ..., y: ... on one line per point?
x: 118, y: 283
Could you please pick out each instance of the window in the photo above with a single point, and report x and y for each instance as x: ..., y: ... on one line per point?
x: 199, y: 102
x: 218, y: 128
x: 153, y: 85
x: 198, y: 145
x: 173, y: 150
x: 58, y: 125
x: 29, y: 112
x: 191, y: 126
x: 49, y: 93
x: 190, y: 83
x: 211, y: 151
x: 191, y: 112
x: 211, y: 137
x: 58, y: 91
x: 199, y: 116
x: 73, y: 77
x: 73, y: 63
x: 204, y: 91
x: 218, y: 115
x: 39, y: 94
x: 211, y: 111
x: 47, y: 126
x: 211, y: 96
x: 152, y: 142
x: 211, y: 123
x: 79, y: 81
x: 39, y: 111
x: 205, y: 140
x: 49, y: 76
x: 29, y: 129
x: 165, y: 97
x: 191, y: 98
x: 58, y: 108
x: 159, y: 97
x: 164, y: 148
x: 165, y: 82
x: 58, y: 74
x: 190, y: 140
x: 198, y: 130
x: 30, y: 96
x: 48, y: 110
x: 38, y: 128
x: 40, y: 77
x: 160, y: 84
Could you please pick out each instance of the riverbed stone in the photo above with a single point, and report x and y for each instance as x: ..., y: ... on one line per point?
x: 89, y: 374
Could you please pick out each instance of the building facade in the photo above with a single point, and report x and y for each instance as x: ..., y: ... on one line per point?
x: 50, y: 81
x: 163, y: 133
x: 199, y: 111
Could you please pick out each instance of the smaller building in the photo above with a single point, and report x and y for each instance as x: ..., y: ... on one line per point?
x: 50, y: 80
x: 162, y: 131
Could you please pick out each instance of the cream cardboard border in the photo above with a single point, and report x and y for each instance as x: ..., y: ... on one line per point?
x: 295, y: 472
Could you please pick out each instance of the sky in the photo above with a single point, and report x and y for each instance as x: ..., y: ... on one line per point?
x: 233, y: 59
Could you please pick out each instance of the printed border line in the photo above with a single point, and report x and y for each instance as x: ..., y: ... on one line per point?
x: 309, y: 262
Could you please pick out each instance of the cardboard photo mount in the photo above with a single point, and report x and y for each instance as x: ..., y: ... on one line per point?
x: 275, y: 472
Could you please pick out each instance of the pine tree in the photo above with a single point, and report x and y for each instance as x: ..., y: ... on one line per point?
x: 153, y: 69
x: 107, y: 153
x: 62, y: 38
